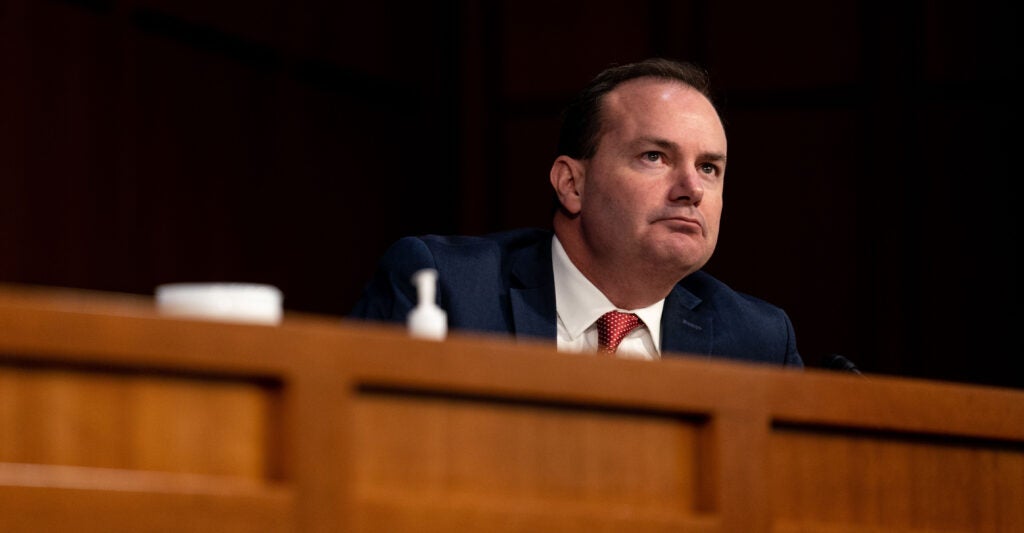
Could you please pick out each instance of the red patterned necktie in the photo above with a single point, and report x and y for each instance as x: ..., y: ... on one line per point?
x: 612, y: 327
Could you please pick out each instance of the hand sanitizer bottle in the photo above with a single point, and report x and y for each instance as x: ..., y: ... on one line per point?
x: 427, y: 320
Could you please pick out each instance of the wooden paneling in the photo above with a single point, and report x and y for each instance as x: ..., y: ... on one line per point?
x: 523, y: 454
x: 159, y: 506
x: 131, y: 420
x: 896, y: 482
x: 115, y: 418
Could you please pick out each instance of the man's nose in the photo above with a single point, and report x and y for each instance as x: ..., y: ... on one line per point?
x: 687, y: 186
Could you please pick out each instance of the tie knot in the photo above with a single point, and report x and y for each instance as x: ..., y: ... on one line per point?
x: 612, y: 327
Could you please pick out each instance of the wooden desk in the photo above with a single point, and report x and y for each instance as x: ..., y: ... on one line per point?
x: 113, y: 418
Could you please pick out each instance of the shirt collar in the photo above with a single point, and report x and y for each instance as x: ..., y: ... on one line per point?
x: 579, y: 303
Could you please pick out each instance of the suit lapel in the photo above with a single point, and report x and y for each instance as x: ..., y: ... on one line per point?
x: 530, y: 314
x: 684, y: 330
x: 532, y: 291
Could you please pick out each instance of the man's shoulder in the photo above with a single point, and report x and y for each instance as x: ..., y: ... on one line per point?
x: 744, y: 327
x: 511, y: 239
x: 711, y: 291
x: 471, y: 255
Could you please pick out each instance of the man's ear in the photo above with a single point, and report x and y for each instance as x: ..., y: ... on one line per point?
x: 567, y: 177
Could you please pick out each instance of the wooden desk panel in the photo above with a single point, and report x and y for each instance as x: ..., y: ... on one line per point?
x: 896, y: 482
x: 140, y: 420
x: 117, y: 419
x: 489, y: 453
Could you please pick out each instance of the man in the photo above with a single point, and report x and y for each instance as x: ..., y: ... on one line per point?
x: 639, y: 181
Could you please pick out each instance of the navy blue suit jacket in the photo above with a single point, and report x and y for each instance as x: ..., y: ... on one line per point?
x: 503, y: 283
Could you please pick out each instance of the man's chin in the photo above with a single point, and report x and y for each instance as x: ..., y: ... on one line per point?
x: 679, y: 260
x: 681, y: 245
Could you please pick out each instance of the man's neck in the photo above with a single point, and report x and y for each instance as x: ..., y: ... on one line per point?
x: 640, y: 288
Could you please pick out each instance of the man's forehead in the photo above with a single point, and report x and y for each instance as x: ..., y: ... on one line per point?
x: 646, y: 99
x: 651, y: 100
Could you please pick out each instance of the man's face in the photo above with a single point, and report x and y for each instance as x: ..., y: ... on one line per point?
x: 651, y: 197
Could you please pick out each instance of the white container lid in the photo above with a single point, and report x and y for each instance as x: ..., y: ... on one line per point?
x: 233, y: 302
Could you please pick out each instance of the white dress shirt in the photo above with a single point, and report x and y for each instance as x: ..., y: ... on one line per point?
x: 579, y: 304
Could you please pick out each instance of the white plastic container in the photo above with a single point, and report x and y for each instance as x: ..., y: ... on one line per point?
x: 231, y: 302
x: 427, y: 320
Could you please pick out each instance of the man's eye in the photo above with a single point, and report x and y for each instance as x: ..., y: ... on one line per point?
x: 652, y: 157
x: 708, y: 168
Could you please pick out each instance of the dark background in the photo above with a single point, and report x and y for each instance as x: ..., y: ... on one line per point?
x: 871, y: 191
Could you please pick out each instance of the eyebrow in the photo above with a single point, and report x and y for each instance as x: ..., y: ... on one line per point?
x: 666, y: 144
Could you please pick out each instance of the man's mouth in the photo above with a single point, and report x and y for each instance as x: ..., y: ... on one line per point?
x: 686, y: 224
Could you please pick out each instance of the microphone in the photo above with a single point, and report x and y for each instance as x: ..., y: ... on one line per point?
x: 842, y: 364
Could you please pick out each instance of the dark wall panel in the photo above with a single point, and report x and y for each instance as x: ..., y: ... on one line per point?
x: 789, y: 232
